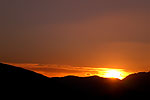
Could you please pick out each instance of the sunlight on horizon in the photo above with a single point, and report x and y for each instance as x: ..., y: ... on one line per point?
x: 65, y: 70
x: 114, y: 73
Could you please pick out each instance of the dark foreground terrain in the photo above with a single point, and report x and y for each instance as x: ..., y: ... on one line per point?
x: 20, y: 83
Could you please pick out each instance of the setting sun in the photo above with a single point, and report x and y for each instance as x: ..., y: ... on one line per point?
x: 114, y: 73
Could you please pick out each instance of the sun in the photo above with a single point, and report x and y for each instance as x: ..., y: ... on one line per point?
x: 112, y: 73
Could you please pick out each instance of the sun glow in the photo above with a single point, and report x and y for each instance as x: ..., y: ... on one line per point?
x: 114, y: 73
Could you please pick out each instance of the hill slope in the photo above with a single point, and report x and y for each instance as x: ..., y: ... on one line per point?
x: 8, y: 72
x: 15, y: 81
x: 136, y: 85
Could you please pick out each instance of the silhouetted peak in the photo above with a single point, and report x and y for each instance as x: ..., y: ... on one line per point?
x: 95, y: 76
x: 8, y: 72
x: 71, y: 76
x: 139, y: 76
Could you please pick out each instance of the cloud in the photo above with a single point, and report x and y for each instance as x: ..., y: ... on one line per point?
x: 65, y: 70
x: 57, y: 70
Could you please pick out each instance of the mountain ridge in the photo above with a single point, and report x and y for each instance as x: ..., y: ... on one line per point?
x: 10, y: 72
x: 17, y: 80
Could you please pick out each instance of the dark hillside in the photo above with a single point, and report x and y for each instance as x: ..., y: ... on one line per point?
x: 18, y: 81
x: 136, y: 85
x: 12, y: 73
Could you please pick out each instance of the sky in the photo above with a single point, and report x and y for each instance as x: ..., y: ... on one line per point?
x: 75, y: 33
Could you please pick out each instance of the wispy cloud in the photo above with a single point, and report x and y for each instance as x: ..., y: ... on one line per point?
x: 64, y: 70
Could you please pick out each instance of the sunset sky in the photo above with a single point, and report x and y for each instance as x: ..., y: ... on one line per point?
x: 79, y: 37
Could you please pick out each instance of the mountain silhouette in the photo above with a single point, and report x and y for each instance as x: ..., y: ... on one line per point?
x: 18, y: 81
x: 8, y: 72
x: 136, y: 85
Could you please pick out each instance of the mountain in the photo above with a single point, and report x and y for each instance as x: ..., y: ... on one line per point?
x: 88, y: 87
x: 12, y: 73
x: 15, y: 81
x: 18, y: 81
x: 136, y: 85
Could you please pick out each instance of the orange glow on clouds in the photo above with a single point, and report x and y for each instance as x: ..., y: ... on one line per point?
x: 65, y: 70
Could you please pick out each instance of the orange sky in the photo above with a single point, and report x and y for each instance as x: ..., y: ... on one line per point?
x: 65, y: 70
x: 95, y: 33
